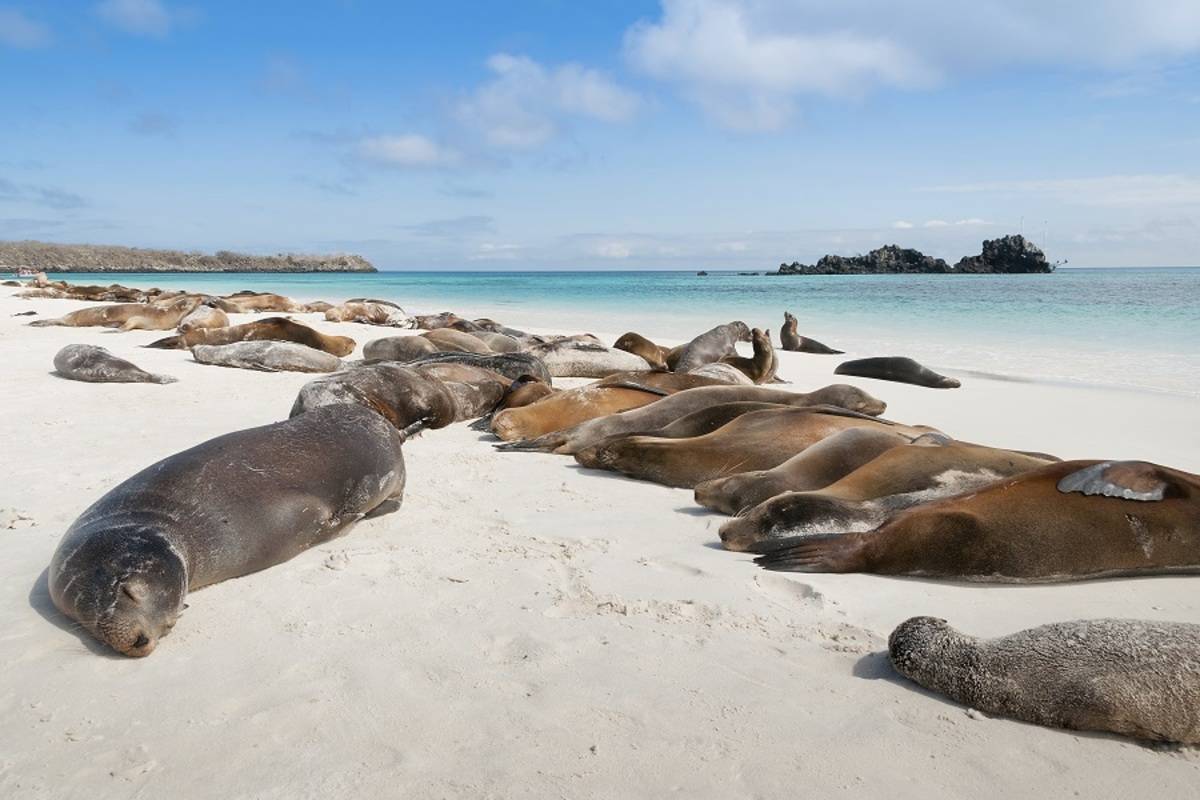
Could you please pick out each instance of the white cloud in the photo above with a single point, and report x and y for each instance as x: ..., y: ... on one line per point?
x: 936, y: 223
x: 901, y: 225
x: 614, y: 250
x: 523, y: 105
x: 745, y: 62
x: 138, y: 17
x: 1122, y: 191
x: 18, y: 30
x: 407, y: 150
x: 491, y: 251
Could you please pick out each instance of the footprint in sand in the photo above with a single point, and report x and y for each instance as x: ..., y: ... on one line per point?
x: 673, y: 566
x: 788, y: 591
x: 11, y: 519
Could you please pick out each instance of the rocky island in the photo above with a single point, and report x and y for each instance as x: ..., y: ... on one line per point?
x: 48, y: 257
x: 1006, y: 255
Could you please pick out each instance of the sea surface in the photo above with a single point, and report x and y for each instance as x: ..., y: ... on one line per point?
x: 1130, y: 328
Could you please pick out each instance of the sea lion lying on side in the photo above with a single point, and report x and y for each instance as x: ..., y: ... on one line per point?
x: 280, y: 329
x: 267, y: 356
x: 896, y: 368
x: 204, y: 315
x: 87, y: 362
x: 407, y: 399
x: 127, y: 316
x: 370, y: 313
x: 583, y: 358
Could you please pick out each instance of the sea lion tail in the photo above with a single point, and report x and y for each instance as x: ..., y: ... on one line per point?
x: 825, y: 553
x: 542, y: 444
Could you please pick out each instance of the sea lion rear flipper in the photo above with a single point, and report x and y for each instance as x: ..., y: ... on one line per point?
x: 547, y: 443
x: 169, y: 343
x: 483, y: 424
x: 1127, y: 480
x: 826, y: 553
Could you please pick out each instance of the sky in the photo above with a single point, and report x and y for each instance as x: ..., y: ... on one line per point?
x: 556, y: 134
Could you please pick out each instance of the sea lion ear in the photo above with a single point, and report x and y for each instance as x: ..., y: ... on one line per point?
x: 1127, y: 480
x: 134, y: 588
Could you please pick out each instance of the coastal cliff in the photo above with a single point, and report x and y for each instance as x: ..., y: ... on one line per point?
x: 1006, y: 255
x: 47, y: 257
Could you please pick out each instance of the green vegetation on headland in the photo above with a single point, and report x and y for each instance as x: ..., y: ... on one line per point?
x: 47, y: 257
x: 1006, y: 255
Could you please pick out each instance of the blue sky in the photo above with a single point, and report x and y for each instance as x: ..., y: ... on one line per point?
x: 613, y: 135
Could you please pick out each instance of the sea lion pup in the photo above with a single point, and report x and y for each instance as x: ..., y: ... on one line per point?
x: 510, y: 365
x: 204, y: 316
x: 247, y: 302
x: 267, y: 356
x: 233, y: 505
x: 398, y: 348
x: 476, y: 391
x: 87, y: 362
x: 1137, y: 678
x: 762, y: 367
x: 566, y: 408
x: 369, y: 313
x: 710, y: 346
x: 813, y: 468
x: 655, y: 355
x: 758, y: 440
x: 795, y: 343
x: 1067, y: 521
x: 279, y: 329
x: 669, y: 409
x: 931, y: 468
x: 449, y: 340
x: 580, y: 357
x: 126, y: 316
x: 404, y: 397
x: 896, y: 368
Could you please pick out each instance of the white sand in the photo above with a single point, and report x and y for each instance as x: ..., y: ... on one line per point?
x: 522, y: 627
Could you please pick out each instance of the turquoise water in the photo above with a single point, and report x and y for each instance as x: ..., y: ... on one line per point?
x: 1137, y: 328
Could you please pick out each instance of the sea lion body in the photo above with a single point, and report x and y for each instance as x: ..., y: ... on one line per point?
x: 433, y: 322
x: 233, y: 505
x: 667, y: 382
x: 369, y: 313
x: 449, y: 340
x: 267, y: 356
x: 720, y: 372
x: 793, y: 342
x: 498, y: 342
x: 126, y: 316
x: 1137, y: 678
x: 476, y: 391
x: 87, y: 362
x: 586, y: 358
x: 279, y: 329
x: 402, y: 395
x: 398, y: 348
x: 204, y: 316
x: 710, y: 346
x: 896, y: 368
x: 1051, y: 524
x: 763, y: 366
x: 655, y: 355
x: 566, y: 408
x: 510, y: 365
x: 257, y: 302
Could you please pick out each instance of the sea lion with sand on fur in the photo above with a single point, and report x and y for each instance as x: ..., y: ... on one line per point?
x: 267, y: 356
x: 280, y: 329
x: 896, y: 368
x: 228, y: 507
x: 1068, y: 521
x: 402, y: 395
x: 581, y: 357
x: 450, y: 340
x: 87, y: 362
x: 793, y: 342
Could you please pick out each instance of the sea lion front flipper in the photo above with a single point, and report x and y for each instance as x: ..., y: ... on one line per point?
x: 1127, y: 480
x: 836, y: 552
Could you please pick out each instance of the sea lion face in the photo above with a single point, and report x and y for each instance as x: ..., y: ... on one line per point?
x: 725, y: 494
x: 794, y: 514
x: 125, y: 588
x: 524, y: 391
x: 740, y: 330
x: 915, y: 645
x: 849, y: 397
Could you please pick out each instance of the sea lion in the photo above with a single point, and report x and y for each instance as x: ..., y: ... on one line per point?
x: 564, y: 409
x: 1067, y: 521
x: 126, y: 316
x: 795, y: 343
x: 510, y: 365
x: 719, y: 372
x: 476, y: 391
x: 525, y: 390
x: 87, y: 362
x: 762, y: 367
x: 247, y: 302
x: 639, y: 345
x: 931, y: 468
x: 432, y: 322
x: 204, y: 316
x: 498, y: 342
x: 267, y: 356
x: 405, y: 397
x: 398, y: 348
x: 669, y: 382
x: 571, y: 357
x: 465, y: 326
x: 813, y: 468
x: 495, y: 327
x: 1136, y: 678
x: 369, y: 313
x: 710, y: 346
x: 896, y: 368
x: 449, y: 340
x: 317, y: 307
x: 279, y: 329
x: 757, y: 440
x: 233, y: 505
x: 669, y: 409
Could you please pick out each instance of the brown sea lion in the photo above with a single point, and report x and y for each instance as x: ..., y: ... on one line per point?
x: 931, y: 468
x: 398, y: 348
x: 758, y: 440
x: 247, y: 302
x: 670, y: 382
x: 795, y: 343
x: 433, y: 322
x: 525, y: 390
x: 405, y: 397
x: 669, y: 409
x: 813, y: 468
x: 279, y: 329
x: 762, y: 367
x: 233, y: 505
x: 317, y: 307
x: 127, y: 316
x: 710, y: 346
x: 204, y: 316
x: 87, y: 362
x: 369, y: 313
x: 566, y: 408
x: 1138, y: 678
x: 476, y: 391
x: 449, y: 340
x: 639, y: 345
x: 896, y: 368
x: 1066, y: 521
x: 465, y: 326
x: 498, y: 342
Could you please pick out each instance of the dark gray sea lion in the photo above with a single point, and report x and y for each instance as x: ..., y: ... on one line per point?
x: 813, y: 468
x: 763, y: 366
x: 279, y: 329
x: 669, y: 409
x: 465, y: 326
x: 757, y: 440
x: 87, y: 362
x: 896, y: 368
x: 931, y: 468
x: 710, y: 346
x: 655, y: 355
x: 1136, y: 678
x: 793, y: 342
x: 267, y: 356
x: 402, y: 395
x: 233, y: 505
x: 476, y: 391
x: 572, y: 357
x: 449, y: 340
x: 398, y: 348
x: 510, y: 365
x: 1066, y: 521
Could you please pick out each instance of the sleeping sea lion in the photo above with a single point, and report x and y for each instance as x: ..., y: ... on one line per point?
x: 204, y: 316
x: 476, y: 391
x: 566, y: 408
x: 449, y: 340
x: 246, y: 302
x: 87, y: 362
x: 267, y: 356
x: 370, y: 313
x: 795, y: 343
x: 896, y: 368
x: 572, y: 357
x: 510, y: 365
x: 402, y: 395
x: 280, y: 329
x: 398, y: 348
x: 127, y: 316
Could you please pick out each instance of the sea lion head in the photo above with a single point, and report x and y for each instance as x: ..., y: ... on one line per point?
x: 125, y: 586
x: 849, y: 397
x: 740, y: 330
x: 925, y: 649
x: 725, y: 494
x: 788, y: 319
x: 525, y: 390
x: 793, y: 514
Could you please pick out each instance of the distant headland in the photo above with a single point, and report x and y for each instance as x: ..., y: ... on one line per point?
x: 48, y: 257
x: 1007, y: 255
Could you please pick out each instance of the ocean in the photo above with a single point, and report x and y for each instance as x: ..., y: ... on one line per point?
x: 1131, y: 328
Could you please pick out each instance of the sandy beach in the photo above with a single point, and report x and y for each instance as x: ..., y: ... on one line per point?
x: 523, y: 627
